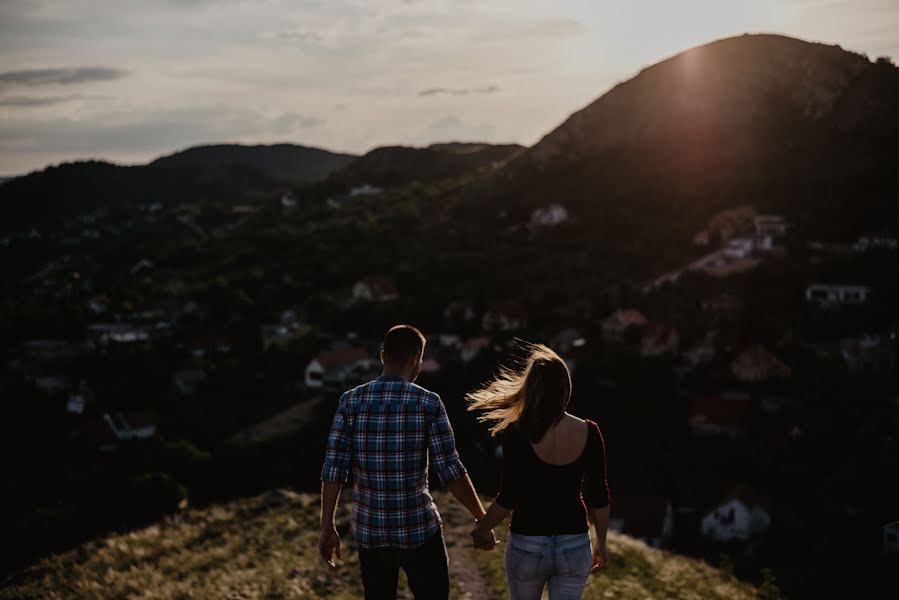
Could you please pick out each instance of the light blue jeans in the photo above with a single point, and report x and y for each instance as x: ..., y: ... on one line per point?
x: 563, y: 561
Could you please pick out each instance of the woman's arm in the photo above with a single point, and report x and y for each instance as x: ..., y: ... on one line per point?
x: 601, y: 526
x: 483, y: 533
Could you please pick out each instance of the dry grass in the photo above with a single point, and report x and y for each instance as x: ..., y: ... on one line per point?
x: 266, y: 547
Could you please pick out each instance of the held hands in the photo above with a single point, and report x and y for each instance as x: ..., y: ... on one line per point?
x: 329, y: 545
x: 600, y: 556
x: 483, y: 539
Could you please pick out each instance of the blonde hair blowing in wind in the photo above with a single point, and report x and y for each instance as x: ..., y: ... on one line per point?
x: 534, y: 397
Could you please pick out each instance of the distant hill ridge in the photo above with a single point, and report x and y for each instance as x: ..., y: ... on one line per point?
x: 288, y: 162
x: 266, y: 547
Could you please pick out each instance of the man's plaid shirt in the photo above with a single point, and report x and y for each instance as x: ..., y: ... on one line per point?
x: 385, y: 430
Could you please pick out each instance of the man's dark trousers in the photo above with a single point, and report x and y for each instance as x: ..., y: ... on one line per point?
x: 426, y: 567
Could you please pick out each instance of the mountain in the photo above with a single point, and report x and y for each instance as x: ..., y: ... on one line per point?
x: 393, y: 165
x: 801, y: 129
x: 266, y: 547
x: 287, y: 162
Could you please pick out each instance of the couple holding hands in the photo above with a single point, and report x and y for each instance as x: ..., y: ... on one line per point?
x: 553, y: 479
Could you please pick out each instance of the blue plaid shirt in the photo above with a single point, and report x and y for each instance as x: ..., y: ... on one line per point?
x: 386, y: 430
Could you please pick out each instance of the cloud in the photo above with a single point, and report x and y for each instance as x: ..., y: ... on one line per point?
x: 64, y: 76
x: 38, y: 101
x: 129, y: 133
x: 490, y: 89
x: 451, y: 129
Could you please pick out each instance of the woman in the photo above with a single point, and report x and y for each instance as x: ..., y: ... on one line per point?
x: 553, y: 471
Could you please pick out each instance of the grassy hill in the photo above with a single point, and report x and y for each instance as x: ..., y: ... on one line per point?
x: 266, y: 547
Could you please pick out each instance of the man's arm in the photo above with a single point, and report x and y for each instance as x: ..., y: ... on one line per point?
x: 338, y: 454
x: 442, y: 449
x: 328, y: 540
x: 463, y: 490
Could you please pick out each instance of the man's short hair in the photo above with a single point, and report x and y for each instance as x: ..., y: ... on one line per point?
x: 401, y: 343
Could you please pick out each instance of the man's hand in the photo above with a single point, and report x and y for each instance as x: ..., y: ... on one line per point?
x: 483, y: 539
x: 600, y: 556
x: 329, y: 545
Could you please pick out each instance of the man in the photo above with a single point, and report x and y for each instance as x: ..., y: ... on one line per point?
x: 388, y: 430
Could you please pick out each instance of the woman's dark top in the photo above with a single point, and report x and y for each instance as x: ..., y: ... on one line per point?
x: 552, y: 499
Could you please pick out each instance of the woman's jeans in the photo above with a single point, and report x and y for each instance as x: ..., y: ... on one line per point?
x: 563, y: 561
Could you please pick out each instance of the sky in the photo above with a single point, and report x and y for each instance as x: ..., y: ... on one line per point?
x: 128, y: 81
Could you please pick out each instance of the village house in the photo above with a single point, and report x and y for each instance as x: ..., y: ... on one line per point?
x: 99, y: 304
x: 727, y: 223
x: 109, y: 336
x: 78, y: 400
x: 52, y: 383
x: 866, y: 243
x: 288, y: 201
x: 132, y: 426
x: 187, y: 380
x: 618, y: 323
x: 567, y: 340
x: 549, y: 216
x: 472, y: 347
x: 140, y: 266
x: 658, y: 339
x: 375, y: 289
x: 891, y: 538
x: 741, y: 514
x: 837, y: 294
x: 757, y: 364
x: 719, y: 414
x: 340, y: 367
x: 647, y: 517
x: 504, y: 316
x: 281, y: 335
x: 744, y: 247
x: 869, y: 354
x: 365, y: 190
x: 770, y: 225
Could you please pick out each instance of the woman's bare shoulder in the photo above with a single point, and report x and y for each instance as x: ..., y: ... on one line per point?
x: 574, y: 420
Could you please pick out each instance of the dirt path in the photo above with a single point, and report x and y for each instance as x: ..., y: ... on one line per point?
x: 465, y: 573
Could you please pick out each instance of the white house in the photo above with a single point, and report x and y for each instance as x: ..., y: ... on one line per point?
x: 869, y: 354
x: 365, y: 190
x: 837, y: 294
x: 865, y: 243
x: 742, y: 247
x: 743, y: 513
x: 770, y: 225
x: 79, y: 400
x: 339, y: 367
x: 134, y: 426
x: 549, y: 216
x: 891, y: 538
x: 141, y: 265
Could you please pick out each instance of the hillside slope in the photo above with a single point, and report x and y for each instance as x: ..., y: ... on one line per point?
x: 801, y: 129
x: 266, y: 547
x: 286, y: 162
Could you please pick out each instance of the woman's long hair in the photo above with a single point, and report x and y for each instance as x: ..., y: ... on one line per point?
x: 535, y: 396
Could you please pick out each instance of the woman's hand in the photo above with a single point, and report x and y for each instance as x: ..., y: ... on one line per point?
x: 600, y: 556
x: 483, y: 539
